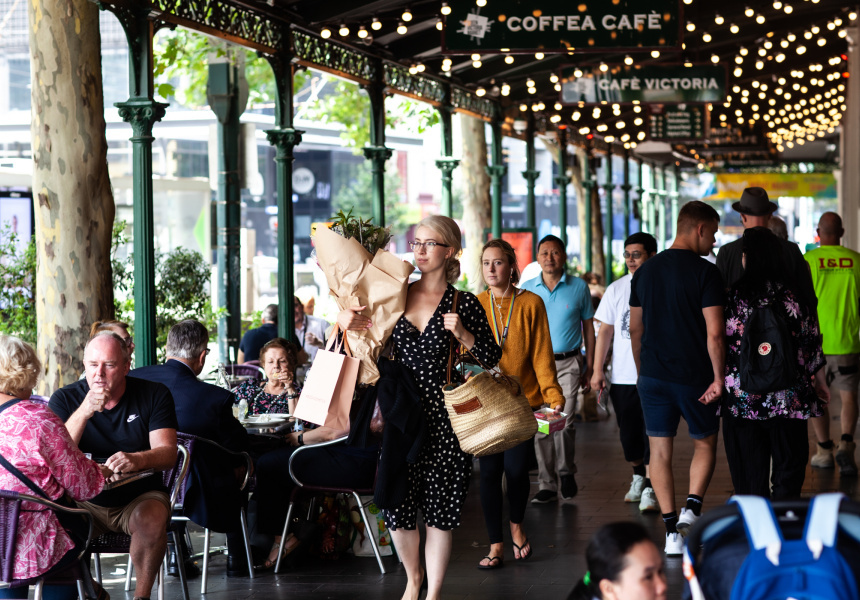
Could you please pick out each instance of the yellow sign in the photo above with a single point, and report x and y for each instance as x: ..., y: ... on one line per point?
x: 730, y: 186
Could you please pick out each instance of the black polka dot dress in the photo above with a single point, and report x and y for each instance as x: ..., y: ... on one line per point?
x: 439, y: 480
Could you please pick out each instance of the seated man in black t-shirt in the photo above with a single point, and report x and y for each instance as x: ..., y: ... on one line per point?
x: 130, y: 425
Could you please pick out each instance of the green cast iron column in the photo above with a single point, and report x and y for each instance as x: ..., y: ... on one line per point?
x: 284, y: 138
x: 496, y: 171
x: 377, y: 153
x: 531, y: 175
x: 561, y: 180
x: 626, y: 187
x: 588, y: 184
x: 227, y: 100
x: 447, y: 163
x: 610, y: 233
x: 141, y: 111
x: 676, y: 198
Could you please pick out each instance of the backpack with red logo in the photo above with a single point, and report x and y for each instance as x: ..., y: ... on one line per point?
x: 768, y: 360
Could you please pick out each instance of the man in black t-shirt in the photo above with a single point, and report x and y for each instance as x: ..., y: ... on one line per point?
x: 677, y: 332
x: 255, y: 339
x: 130, y: 424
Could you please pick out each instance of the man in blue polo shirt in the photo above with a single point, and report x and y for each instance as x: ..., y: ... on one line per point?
x: 570, y: 313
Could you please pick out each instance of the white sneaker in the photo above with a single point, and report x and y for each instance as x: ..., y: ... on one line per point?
x: 648, y: 502
x: 674, y: 544
x: 686, y: 520
x: 635, y: 492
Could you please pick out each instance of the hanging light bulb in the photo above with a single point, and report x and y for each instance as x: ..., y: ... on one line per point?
x: 691, y: 26
x: 655, y: 54
x: 530, y: 82
x: 439, y: 25
x: 628, y: 60
x: 480, y: 92
x: 325, y: 33
x: 553, y: 78
x: 734, y: 28
x: 376, y: 24
x: 506, y: 89
x: 749, y: 12
x: 406, y: 16
x: 539, y: 55
x: 759, y: 18
x: 343, y: 31
x: 401, y: 28
x: 509, y: 59
x: 446, y: 10
x: 604, y: 67
x: 362, y: 32
x: 718, y: 19
x: 706, y: 37
x: 715, y: 59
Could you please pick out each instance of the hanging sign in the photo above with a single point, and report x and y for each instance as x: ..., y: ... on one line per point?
x: 660, y: 84
x: 677, y: 123
x: 561, y: 26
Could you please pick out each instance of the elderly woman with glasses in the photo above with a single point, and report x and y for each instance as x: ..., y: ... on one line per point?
x: 35, y: 442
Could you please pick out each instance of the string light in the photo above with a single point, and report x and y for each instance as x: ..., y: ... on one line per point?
x: 325, y: 33
x: 446, y: 10
x: 406, y: 16
x: 376, y: 24
x: 401, y: 28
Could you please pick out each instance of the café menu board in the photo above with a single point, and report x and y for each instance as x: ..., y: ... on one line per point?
x: 674, y: 123
x: 561, y: 26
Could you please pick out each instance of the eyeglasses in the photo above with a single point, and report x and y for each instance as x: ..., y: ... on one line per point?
x: 427, y: 245
x: 634, y: 255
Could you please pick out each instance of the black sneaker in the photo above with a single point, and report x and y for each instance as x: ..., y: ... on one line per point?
x: 545, y: 497
x: 568, y: 487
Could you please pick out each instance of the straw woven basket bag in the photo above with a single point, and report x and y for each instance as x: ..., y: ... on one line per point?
x: 489, y: 413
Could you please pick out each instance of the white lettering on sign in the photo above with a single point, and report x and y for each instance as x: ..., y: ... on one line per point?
x: 581, y: 23
x: 684, y: 83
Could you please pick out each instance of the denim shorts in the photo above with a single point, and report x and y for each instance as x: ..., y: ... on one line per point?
x: 665, y: 402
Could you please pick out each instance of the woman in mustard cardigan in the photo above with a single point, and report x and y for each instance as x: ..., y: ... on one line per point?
x: 519, y: 322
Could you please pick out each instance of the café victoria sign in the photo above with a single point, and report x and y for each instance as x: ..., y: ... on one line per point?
x: 561, y: 26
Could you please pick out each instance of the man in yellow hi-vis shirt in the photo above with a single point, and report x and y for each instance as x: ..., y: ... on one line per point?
x: 836, y: 276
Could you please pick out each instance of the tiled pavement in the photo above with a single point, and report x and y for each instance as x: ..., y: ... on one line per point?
x: 558, y: 534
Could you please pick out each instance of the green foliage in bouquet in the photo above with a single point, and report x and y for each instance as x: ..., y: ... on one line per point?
x: 370, y: 236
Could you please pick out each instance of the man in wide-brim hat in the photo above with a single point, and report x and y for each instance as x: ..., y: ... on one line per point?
x: 756, y: 208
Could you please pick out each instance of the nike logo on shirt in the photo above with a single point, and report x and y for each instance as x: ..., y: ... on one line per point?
x: 131, y: 418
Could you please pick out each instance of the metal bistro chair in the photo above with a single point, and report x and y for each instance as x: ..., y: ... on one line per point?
x: 233, y: 375
x: 10, y: 508
x: 190, y: 441
x: 356, y: 493
x: 120, y: 543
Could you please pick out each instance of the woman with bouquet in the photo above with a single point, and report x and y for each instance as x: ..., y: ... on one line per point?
x: 439, y: 480
x: 521, y: 328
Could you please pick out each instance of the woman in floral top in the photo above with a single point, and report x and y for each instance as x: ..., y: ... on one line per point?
x: 279, y: 393
x: 761, y: 427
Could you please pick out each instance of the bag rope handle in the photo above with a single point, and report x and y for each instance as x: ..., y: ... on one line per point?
x: 334, y: 346
x: 495, y: 374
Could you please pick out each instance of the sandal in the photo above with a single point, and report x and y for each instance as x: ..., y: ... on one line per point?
x: 291, y: 544
x: 495, y: 562
x: 519, y: 549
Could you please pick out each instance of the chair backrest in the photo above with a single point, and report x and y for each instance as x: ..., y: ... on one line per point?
x: 175, y: 479
x: 10, y: 507
x: 244, y: 456
x: 245, y: 370
x: 256, y: 363
x: 39, y: 399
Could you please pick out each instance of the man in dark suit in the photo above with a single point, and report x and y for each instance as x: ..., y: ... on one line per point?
x: 213, y: 498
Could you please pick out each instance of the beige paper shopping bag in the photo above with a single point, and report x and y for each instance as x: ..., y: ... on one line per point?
x: 327, y: 394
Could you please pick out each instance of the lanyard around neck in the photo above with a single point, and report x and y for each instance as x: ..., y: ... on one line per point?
x: 500, y: 340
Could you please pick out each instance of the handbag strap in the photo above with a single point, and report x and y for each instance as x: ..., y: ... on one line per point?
x: 12, y: 469
x: 332, y: 344
x: 451, y: 337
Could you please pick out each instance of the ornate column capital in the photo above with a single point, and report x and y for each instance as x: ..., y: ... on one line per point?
x: 531, y: 175
x: 562, y: 180
x: 447, y: 165
x: 496, y: 171
x: 377, y: 153
x: 141, y: 114
x: 284, y: 139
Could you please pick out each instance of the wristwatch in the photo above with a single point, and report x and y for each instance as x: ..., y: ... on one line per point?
x: 301, y: 440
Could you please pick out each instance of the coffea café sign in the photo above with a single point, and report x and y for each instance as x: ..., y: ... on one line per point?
x: 661, y: 84
x: 561, y: 26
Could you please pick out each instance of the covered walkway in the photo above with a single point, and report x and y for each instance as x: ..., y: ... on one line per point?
x: 558, y: 533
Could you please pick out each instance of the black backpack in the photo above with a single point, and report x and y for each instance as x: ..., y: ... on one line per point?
x: 768, y: 361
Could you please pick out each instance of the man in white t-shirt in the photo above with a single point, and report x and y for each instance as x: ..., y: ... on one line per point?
x: 613, y: 314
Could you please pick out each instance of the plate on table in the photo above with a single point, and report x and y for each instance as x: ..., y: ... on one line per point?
x: 266, y: 419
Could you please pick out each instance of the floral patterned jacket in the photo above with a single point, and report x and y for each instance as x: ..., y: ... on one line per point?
x: 800, y: 400
x: 35, y: 441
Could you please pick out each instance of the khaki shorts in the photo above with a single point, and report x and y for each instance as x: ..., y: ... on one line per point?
x: 843, y: 371
x: 116, y: 518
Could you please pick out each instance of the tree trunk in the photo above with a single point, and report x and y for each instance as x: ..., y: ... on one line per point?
x: 72, y: 195
x: 476, y: 198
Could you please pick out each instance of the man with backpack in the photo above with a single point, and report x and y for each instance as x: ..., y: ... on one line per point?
x: 677, y: 333
x: 836, y: 276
